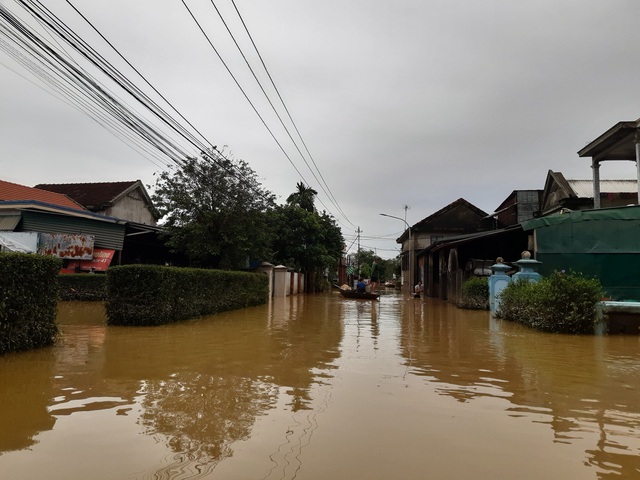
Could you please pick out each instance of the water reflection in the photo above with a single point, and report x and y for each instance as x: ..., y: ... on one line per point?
x: 25, y: 395
x: 316, y: 386
x: 585, y: 388
x: 201, y: 384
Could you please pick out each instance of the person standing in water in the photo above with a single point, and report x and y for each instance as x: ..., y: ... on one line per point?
x: 418, y: 289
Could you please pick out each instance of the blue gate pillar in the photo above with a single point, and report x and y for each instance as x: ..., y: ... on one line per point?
x: 527, y: 268
x: 497, y: 282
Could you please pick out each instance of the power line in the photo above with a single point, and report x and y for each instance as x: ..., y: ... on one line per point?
x: 129, y: 124
x: 81, y: 81
x: 241, y: 89
x: 64, y: 75
x: 208, y: 150
x: 322, y: 183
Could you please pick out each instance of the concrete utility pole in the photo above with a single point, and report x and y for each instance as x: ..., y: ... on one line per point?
x: 359, y: 232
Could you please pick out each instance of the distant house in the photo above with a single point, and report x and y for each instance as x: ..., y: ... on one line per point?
x: 125, y: 200
x: 561, y: 194
x: 519, y: 206
x: 451, y: 260
x: 458, y: 218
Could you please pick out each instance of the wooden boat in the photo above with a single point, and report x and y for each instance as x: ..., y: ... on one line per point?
x: 361, y: 296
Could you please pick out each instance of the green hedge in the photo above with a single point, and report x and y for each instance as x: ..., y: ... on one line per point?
x: 155, y: 295
x: 561, y: 303
x: 475, y: 294
x: 82, y: 286
x: 28, y: 301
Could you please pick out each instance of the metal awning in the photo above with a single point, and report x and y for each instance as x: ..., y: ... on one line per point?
x: 8, y: 223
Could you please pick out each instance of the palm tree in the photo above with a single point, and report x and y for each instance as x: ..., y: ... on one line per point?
x: 303, y: 197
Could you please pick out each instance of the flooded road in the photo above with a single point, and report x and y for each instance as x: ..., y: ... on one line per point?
x: 319, y: 387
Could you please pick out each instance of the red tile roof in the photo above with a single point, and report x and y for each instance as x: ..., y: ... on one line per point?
x: 14, y: 192
x: 93, y: 196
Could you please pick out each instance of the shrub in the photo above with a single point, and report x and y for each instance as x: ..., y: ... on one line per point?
x: 475, y: 294
x: 155, y: 295
x: 82, y: 286
x: 561, y: 303
x: 28, y: 301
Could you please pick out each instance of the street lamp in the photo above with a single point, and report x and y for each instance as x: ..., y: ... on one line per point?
x: 410, y: 248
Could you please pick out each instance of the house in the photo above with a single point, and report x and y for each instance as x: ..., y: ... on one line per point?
x: 620, y: 142
x: 125, y: 200
x: 36, y: 219
x: 519, y: 206
x: 560, y: 194
x: 447, y: 262
x: 458, y: 218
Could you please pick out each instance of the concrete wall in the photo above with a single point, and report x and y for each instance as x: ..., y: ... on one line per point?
x: 287, y: 283
x: 132, y: 207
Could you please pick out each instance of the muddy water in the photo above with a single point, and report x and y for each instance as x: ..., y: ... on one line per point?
x: 321, y: 387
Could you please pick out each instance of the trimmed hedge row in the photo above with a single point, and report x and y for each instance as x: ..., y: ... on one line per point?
x: 28, y: 301
x: 82, y: 286
x: 560, y: 303
x: 155, y: 295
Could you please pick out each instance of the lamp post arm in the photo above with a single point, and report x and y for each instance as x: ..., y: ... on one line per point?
x: 411, y: 279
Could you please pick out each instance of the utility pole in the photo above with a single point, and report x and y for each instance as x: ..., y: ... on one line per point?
x: 359, y: 231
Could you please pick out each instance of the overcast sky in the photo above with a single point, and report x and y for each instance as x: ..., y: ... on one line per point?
x: 403, y: 102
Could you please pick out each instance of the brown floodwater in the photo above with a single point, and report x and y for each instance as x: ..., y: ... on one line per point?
x: 321, y: 387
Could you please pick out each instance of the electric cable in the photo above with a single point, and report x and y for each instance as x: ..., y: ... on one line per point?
x: 264, y: 66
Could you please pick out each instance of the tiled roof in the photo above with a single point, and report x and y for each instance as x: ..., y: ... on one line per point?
x: 12, y: 192
x: 93, y: 196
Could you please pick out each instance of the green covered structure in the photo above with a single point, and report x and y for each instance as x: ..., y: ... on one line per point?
x: 603, y: 243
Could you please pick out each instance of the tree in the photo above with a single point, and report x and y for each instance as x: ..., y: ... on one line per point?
x: 387, y: 267
x: 215, y: 211
x: 305, y: 239
x: 304, y: 197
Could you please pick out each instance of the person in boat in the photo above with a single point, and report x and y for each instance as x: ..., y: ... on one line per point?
x: 361, y: 287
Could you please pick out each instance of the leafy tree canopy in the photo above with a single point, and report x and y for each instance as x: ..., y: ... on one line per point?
x: 215, y: 211
x: 306, y: 240
x: 387, y: 267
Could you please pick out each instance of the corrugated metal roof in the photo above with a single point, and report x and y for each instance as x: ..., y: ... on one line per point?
x: 26, y: 205
x: 8, y: 223
x: 584, y: 188
x: 14, y: 192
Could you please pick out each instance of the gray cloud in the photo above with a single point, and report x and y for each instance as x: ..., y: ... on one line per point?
x: 410, y: 102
